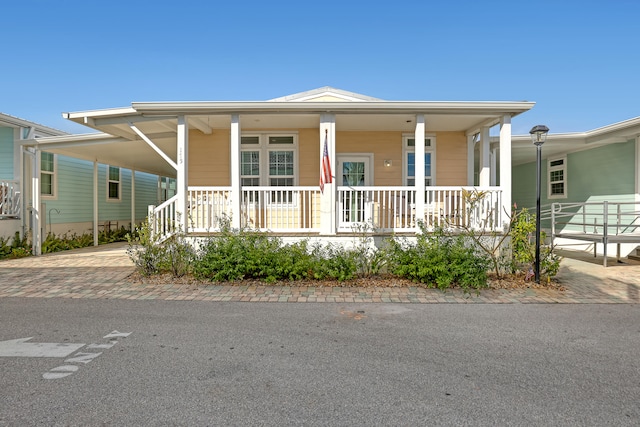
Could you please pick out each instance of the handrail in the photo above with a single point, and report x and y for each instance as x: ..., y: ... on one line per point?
x: 10, y: 197
x: 163, y: 220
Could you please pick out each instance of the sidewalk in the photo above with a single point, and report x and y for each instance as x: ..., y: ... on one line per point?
x: 101, y: 273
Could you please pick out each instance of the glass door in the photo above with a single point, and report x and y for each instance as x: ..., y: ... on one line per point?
x: 354, y: 172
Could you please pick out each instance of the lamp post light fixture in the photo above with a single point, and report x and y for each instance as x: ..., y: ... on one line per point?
x: 538, y: 137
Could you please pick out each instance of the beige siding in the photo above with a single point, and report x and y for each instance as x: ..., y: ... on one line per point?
x: 451, y: 158
x: 309, y: 157
x: 383, y: 145
x: 209, y: 158
x: 326, y: 98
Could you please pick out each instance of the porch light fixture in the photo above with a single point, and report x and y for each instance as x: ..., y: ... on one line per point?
x: 538, y: 137
x: 388, y: 163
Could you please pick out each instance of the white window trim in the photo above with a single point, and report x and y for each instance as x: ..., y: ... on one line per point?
x: 264, y: 148
x: 405, y: 156
x: 111, y: 199
x: 356, y: 157
x: 54, y: 179
x: 564, y: 180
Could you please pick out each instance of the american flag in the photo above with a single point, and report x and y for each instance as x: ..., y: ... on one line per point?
x: 325, y: 170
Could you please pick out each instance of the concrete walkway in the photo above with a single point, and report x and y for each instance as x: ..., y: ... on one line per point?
x: 103, y: 272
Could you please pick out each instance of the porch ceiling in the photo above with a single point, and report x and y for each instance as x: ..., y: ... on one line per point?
x: 115, y: 151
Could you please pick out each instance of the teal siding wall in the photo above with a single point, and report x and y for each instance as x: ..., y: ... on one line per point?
x: 602, y: 173
x: 6, y: 153
x: 146, y: 193
x: 75, y: 194
x: 523, y: 185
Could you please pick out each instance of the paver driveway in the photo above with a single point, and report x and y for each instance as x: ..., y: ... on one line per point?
x: 102, y: 272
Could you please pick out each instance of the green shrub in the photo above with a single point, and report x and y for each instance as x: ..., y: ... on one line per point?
x: 439, y: 260
x: 144, y: 251
x: 522, y: 233
x: 18, y: 248
x: 247, y: 254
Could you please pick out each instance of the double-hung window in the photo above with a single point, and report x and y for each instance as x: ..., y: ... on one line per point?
x: 167, y: 188
x: 409, y: 148
x: 557, y: 171
x: 113, y: 183
x: 269, y: 160
x: 47, y: 174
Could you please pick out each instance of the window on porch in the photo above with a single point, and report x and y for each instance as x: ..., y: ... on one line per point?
x: 409, y: 148
x: 269, y: 160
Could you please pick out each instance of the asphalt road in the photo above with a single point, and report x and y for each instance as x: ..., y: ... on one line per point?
x: 198, y: 363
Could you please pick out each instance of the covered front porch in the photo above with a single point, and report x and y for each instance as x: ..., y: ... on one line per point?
x: 296, y: 210
x: 394, y: 164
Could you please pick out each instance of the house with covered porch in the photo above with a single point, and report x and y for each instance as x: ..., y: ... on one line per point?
x: 393, y: 164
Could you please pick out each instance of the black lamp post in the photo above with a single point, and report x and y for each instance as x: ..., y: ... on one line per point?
x: 538, y: 137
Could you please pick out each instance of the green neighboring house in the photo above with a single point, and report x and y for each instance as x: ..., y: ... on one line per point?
x: 68, y: 202
x: 581, y: 167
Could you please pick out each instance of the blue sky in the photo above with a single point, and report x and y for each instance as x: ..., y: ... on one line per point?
x: 578, y: 60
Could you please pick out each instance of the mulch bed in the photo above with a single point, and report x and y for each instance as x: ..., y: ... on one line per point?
x: 515, y: 281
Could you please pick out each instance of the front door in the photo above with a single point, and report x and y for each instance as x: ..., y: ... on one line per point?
x: 354, y: 172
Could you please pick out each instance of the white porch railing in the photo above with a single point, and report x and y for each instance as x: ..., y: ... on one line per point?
x: 207, y: 206
x: 394, y: 208
x: 281, y: 209
x: 10, y: 199
x: 297, y: 209
x: 163, y: 219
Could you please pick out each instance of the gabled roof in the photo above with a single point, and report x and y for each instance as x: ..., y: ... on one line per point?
x: 561, y: 143
x: 324, y: 94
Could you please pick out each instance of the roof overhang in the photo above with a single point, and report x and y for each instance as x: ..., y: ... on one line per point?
x: 108, y: 149
x: 158, y: 121
x: 156, y: 117
x: 558, y: 144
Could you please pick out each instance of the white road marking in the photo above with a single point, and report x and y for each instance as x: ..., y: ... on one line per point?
x: 21, y: 348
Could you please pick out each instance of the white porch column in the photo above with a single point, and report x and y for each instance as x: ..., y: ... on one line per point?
x: 133, y: 199
x: 637, y: 168
x: 328, y: 199
x: 485, y: 166
x: 25, y: 188
x: 505, y: 164
x: 183, y: 172
x: 236, y: 187
x: 470, y: 159
x: 95, y: 203
x: 36, y: 217
x: 494, y: 166
x: 419, y: 160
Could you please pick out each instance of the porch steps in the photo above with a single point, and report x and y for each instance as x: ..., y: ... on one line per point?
x: 635, y: 255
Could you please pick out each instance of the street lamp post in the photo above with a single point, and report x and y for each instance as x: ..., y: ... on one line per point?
x: 538, y: 137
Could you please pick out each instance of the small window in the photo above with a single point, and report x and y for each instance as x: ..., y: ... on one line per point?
x: 113, y: 183
x: 167, y: 188
x: 281, y: 140
x: 410, y: 160
x: 411, y: 142
x: 47, y: 174
x: 250, y: 140
x: 557, y: 178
